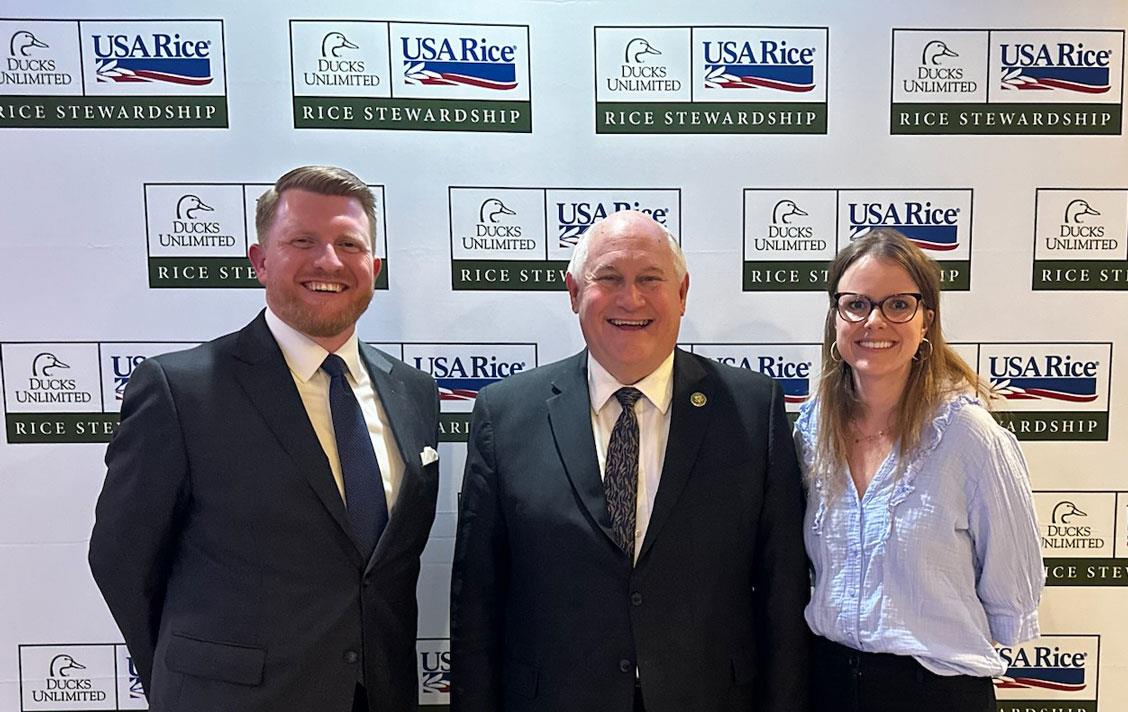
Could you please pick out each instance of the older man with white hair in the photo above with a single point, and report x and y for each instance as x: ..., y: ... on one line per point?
x: 630, y: 531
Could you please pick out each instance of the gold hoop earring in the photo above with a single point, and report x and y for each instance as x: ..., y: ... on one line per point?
x: 920, y: 355
x: 833, y: 349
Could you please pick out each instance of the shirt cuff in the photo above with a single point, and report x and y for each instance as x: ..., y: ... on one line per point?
x: 1011, y: 629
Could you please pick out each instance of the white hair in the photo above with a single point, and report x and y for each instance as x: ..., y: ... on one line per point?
x: 578, y: 262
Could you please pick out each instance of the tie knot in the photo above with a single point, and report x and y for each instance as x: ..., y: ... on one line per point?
x: 334, y: 365
x: 628, y: 396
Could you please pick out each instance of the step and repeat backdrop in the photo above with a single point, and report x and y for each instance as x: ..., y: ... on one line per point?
x: 136, y: 137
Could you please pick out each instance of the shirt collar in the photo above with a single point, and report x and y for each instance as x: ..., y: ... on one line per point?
x: 304, y: 356
x: 658, y: 387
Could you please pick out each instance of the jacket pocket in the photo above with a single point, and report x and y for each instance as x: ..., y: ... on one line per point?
x: 521, y: 679
x: 240, y: 664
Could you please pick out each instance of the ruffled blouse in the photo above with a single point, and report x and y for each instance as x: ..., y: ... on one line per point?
x: 940, y: 557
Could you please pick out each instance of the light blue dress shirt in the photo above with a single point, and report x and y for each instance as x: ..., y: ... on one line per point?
x: 941, y: 555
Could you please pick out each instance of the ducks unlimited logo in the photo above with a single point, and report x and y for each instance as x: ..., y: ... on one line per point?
x: 711, y: 80
x: 1080, y: 239
x: 1084, y: 537
x: 113, y: 74
x: 419, y: 76
x: 197, y: 234
x: 1061, y: 81
x: 68, y: 392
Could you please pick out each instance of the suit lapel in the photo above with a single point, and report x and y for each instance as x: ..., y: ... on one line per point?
x: 688, y: 424
x: 569, y: 416
x: 405, y: 419
x: 262, y: 372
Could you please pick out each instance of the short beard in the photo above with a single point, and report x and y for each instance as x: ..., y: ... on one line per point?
x: 320, y: 325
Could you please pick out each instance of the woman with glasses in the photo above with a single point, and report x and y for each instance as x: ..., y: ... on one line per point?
x: 920, y: 524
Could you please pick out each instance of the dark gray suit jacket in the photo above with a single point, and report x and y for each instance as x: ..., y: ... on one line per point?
x: 223, y: 548
x: 547, y: 613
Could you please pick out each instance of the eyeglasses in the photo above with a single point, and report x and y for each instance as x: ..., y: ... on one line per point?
x: 896, y: 308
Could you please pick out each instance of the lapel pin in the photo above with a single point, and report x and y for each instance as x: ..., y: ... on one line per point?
x: 698, y: 399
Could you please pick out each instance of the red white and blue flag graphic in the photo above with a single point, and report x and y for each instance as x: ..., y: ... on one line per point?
x: 938, y: 238
x: 796, y: 79
x: 1071, y: 390
x: 795, y: 390
x: 1087, y: 80
x: 462, y: 389
x: 1060, y: 679
x: 499, y: 76
x: 191, y: 71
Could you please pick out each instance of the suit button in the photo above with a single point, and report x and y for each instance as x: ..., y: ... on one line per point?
x: 350, y: 656
x: 636, y: 599
x: 625, y: 665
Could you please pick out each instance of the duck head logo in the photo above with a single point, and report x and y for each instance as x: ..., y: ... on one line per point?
x: 189, y: 205
x: 491, y: 209
x: 934, y: 51
x: 1077, y: 209
x: 44, y: 365
x: 637, y: 49
x: 64, y: 666
x: 784, y: 210
x: 1065, y: 511
x: 333, y: 42
x: 22, y: 42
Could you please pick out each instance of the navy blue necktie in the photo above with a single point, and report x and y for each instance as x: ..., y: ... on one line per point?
x: 364, y: 487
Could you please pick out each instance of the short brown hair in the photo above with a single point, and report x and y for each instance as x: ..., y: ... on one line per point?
x: 323, y: 180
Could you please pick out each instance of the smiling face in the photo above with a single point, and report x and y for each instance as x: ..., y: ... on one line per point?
x: 629, y: 296
x: 876, y: 349
x: 317, y: 265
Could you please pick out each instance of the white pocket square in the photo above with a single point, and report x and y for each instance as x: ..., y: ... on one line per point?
x: 428, y: 455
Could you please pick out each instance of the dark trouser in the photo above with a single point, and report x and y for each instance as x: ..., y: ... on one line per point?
x: 847, y: 680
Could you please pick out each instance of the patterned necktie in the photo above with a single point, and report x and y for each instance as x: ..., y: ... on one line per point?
x: 364, y: 487
x: 620, y: 476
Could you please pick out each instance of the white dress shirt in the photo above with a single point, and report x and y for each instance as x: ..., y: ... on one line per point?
x: 304, y: 357
x: 653, y: 414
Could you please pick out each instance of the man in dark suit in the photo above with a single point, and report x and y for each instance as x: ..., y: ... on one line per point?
x: 630, y: 526
x: 269, y: 493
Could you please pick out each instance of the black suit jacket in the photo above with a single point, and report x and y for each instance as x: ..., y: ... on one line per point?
x: 547, y: 613
x: 223, y: 548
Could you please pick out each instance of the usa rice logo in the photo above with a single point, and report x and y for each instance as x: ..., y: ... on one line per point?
x: 440, y: 77
x: 521, y: 239
x: 1050, y: 391
x: 434, y: 670
x: 1051, y: 672
x: 766, y: 64
x: 576, y: 211
x: 1057, y: 81
x: 1080, y: 239
x: 733, y: 80
x: 1080, y: 544
x: 937, y: 220
x: 1054, y: 66
x: 134, y: 74
x: 461, y: 371
x: 793, y: 366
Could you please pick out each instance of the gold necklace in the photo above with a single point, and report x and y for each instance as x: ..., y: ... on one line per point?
x: 869, y: 439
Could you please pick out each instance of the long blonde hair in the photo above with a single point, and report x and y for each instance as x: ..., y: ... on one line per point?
x: 935, y: 372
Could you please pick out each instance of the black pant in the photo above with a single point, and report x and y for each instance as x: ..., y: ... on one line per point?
x: 847, y: 680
